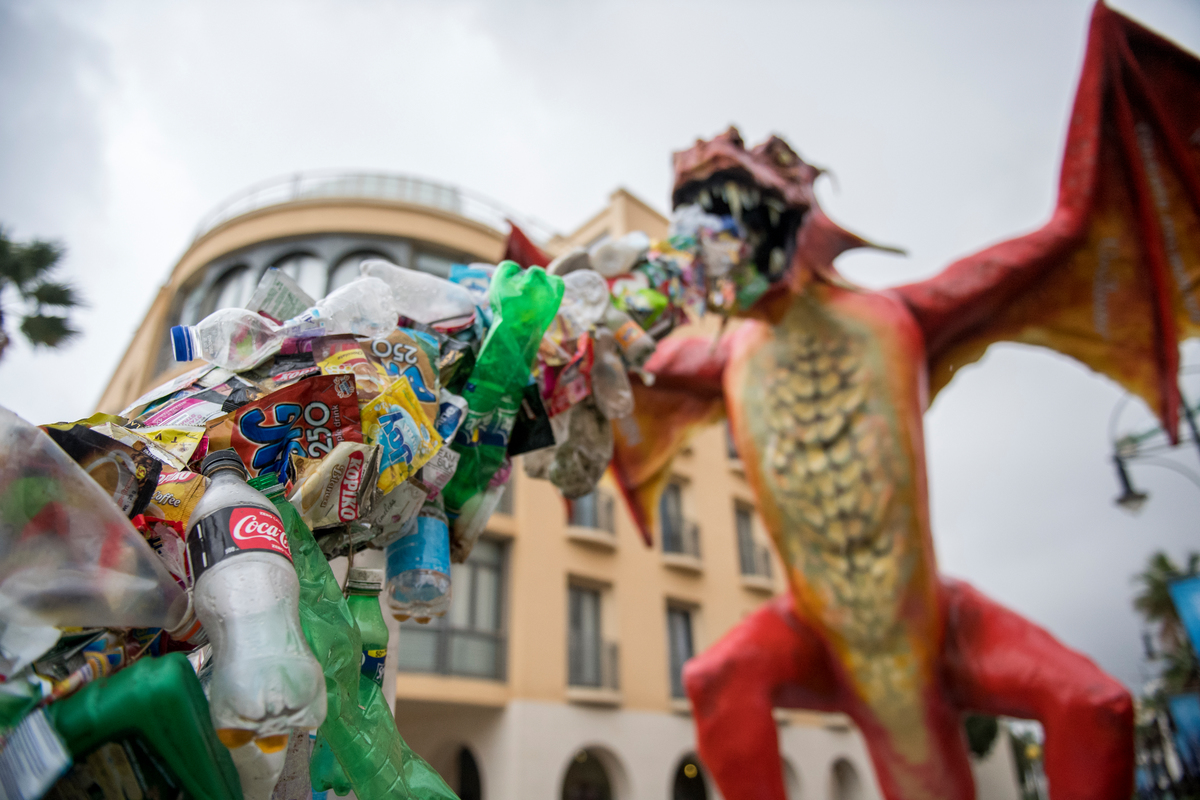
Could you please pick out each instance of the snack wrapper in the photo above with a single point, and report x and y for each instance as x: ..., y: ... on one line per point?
x: 308, y: 418
x: 127, y: 475
x: 286, y: 369
x: 166, y: 389
x: 438, y: 470
x: 141, y: 443
x: 342, y: 355
x: 189, y: 411
x: 177, y: 495
x: 573, y: 382
x: 407, y: 353
x: 396, y: 421
x: 183, y: 443
x: 396, y: 508
x: 335, y: 489
x: 452, y: 410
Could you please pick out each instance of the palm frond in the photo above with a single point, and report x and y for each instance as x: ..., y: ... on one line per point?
x: 43, y: 330
x: 51, y: 293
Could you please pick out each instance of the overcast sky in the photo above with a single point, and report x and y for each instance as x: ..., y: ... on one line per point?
x: 121, y: 124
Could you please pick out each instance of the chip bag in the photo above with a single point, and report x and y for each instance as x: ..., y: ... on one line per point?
x: 335, y: 489
x: 343, y: 355
x: 396, y: 421
x: 177, y: 495
x: 406, y: 353
x: 308, y: 418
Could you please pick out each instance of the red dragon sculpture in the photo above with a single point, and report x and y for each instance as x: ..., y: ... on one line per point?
x: 825, y: 385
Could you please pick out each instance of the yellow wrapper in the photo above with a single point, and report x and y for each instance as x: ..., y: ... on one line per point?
x: 177, y: 495
x: 180, y: 442
x: 396, y: 422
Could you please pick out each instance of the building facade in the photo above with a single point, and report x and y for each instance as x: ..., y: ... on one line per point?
x: 556, y: 672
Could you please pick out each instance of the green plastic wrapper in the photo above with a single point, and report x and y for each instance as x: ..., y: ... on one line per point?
x: 524, y: 303
x: 367, y: 745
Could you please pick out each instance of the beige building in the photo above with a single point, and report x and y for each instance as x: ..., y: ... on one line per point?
x: 556, y: 672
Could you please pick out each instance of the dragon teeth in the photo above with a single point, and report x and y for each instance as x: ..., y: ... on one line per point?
x: 777, y: 261
x: 706, y: 201
x: 734, y: 197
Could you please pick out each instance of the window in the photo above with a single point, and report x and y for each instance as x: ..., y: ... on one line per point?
x: 846, y: 783
x: 730, y: 446
x: 586, y: 779
x: 679, y: 646
x: 231, y: 290
x: 347, y: 269
x: 678, y: 535
x: 744, y: 518
x: 307, y: 271
x: 583, y: 637
x: 594, y: 510
x: 436, y: 265
x: 470, y: 639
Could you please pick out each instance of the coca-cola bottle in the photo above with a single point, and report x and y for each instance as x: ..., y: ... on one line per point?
x: 265, y: 681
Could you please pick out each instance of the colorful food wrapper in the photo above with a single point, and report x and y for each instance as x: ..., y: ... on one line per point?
x: 126, y: 474
x: 177, y: 494
x: 438, y: 470
x: 285, y: 369
x: 452, y: 410
x: 342, y: 355
x: 308, y: 418
x: 166, y: 389
x: 396, y: 422
x: 140, y: 443
x: 573, y: 382
x: 168, y: 541
x: 411, y: 354
x: 532, y: 430
x: 187, y: 411
x: 335, y: 489
x: 396, y: 508
x: 180, y: 442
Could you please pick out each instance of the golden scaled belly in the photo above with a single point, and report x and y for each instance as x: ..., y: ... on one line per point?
x: 839, y: 495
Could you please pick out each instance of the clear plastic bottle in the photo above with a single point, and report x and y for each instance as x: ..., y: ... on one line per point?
x: 265, y: 681
x: 239, y: 339
x: 636, y: 344
x: 423, y: 297
x: 418, y: 566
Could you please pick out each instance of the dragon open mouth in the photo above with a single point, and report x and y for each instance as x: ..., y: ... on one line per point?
x: 742, y: 233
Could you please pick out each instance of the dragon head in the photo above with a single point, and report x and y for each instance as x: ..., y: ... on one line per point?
x: 775, y: 238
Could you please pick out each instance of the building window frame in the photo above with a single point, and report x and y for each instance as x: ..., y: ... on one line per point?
x: 681, y: 643
x: 447, y: 634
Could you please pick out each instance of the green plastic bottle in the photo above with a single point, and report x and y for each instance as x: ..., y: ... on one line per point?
x: 159, y: 703
x: 362, y: 735
x: 363, y: 586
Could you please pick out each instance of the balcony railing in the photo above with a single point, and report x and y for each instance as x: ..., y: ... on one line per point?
x: 326, y: 184
x: 681, y: 537
x: 595, y: 511
x: 759, y: 565
x: 593, y: 664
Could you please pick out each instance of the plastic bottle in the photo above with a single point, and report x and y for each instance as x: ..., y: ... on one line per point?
x: 423, y: 297
x: 585, y: 297
x: 239, y: 339
x: 610, y: 382
x: 636, y: 344
x: 364, y: 586
x: 158, y: 702
x: 265, y: 681
x: 418, y: 566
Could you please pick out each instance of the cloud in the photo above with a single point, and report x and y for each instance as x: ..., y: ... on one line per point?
x: 943, y: 122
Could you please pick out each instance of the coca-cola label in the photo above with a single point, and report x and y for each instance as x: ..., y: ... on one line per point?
x: 231, y: 531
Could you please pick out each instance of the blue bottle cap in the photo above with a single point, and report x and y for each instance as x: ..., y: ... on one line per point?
x: 181, y: 342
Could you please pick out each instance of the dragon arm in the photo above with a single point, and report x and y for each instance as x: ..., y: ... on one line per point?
x: 686, y: 394
x: 1112, y: 278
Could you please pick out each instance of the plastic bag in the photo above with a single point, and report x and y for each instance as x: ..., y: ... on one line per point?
x: 580, y: 461
x: 523, y: 303
x: 68, y: 555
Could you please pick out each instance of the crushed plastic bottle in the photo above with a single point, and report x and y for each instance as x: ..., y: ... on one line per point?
x: 418, y: 566
x: 420, y: 296
x: 238, y: 339
x: 265, y: 681
x: 585, y: 297
x: 614, y: 257
x: 637, y: 345
x: 610, y: 381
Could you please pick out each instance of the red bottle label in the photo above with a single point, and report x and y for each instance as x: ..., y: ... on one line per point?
x: 231, y: 531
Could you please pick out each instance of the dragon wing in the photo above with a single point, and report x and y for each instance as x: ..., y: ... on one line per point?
x: 687, y: 394
x: 1112, y: 279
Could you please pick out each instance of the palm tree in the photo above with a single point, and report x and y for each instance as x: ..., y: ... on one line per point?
x: 1154, y: 602
x: 26, y: 268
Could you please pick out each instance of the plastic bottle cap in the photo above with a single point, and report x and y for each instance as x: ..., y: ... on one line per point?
x: 181, y: 342
x: 222, y: 459
x: 363, y: 579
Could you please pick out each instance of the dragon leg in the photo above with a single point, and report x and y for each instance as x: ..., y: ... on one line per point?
x: 771, y: 658
x: 997, y: 662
